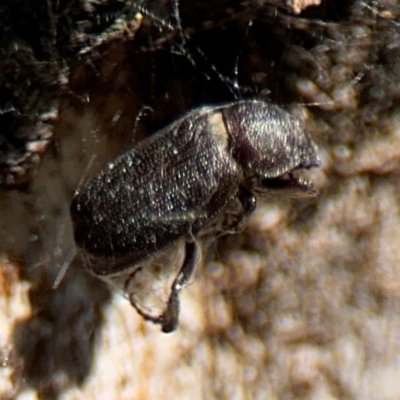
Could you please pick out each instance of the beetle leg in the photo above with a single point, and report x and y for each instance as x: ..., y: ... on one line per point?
x: 170, y: 316
x: 232, y: 223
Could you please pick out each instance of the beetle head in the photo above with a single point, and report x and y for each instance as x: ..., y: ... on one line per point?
x: 271, y: 145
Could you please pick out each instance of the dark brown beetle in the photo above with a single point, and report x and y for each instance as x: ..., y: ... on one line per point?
x: 176, y: 183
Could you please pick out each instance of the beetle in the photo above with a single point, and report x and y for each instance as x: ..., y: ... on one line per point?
x: 184, y: 179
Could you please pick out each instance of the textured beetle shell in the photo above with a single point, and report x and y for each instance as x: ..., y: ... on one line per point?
x: 174, y: 183
x: 271, y: 142
x: 164, y: 189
